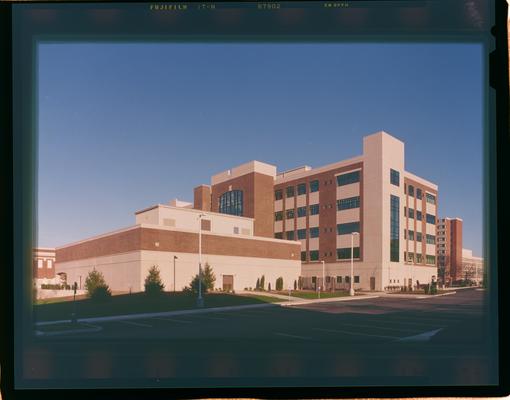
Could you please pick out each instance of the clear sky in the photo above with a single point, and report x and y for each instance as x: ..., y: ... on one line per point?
x: 126, y: 126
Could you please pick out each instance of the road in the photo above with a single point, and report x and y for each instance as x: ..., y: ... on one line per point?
x: 383, y: 341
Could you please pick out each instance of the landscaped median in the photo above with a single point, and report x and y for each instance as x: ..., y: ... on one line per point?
x: 140, y: 303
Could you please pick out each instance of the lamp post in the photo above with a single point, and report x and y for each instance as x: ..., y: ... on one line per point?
x: 323, y: 275
x: 175, y: 258
x: 200, y: 300
x: 351, y: 289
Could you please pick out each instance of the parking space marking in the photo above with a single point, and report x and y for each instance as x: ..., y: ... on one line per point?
x: 292, y: 336
x: 380, y: 327
x: 406, y: 321
x: 182, y: 321
x: 211, y: 318
x: 135, y: 323
x: 355, y: 333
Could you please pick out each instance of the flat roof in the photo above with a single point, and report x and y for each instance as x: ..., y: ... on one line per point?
x: 192, y: 210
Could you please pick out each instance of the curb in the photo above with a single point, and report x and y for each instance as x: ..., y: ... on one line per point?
x: 70, y: 331
x: 329, y: 300
x: 160, y: 314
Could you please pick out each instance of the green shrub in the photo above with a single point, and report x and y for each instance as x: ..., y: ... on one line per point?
x: 262, y: 283
x: 153, y: 284
x: 208, y: 279
x: 426, y: 288
x: 279, y: 283
x: 257, y: 285
x: 96, y: 286
x: 295, y: 284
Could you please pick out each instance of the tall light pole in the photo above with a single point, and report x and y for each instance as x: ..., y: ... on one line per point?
x: 200, y: 300
x: 323, y: 276
x: 351, y: 289
x: 175, y: 258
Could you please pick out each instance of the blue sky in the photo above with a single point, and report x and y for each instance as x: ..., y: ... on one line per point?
x: 125, y: 126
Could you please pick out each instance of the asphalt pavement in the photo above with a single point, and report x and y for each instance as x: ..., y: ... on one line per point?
x: 377, y: 341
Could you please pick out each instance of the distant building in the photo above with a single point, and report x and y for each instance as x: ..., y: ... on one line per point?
x: 472, y: 267
x: 43, y: 266
x: 449, y: 250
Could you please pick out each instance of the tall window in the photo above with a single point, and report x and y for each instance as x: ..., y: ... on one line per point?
x: 346, y: 179
x: 431, y: 239
x: 278, y: 194
x: 314, y: 255
x: 232, y: 203
x: 314, y: 232
x: 418, y: 215
x: 301, y: 211
x: 410, y: 213
x: 430, y: 259
x: 410, y: 234
x: 303, y: 256
x: 289, y: 213
x: 394, y: 228
x: 278, y: 215
x: 301, y: 234
x: 301, y: 189
x: 314, y: 186
x: 290, y: 235
x: 290, y: 191
x: 394, y: 177
x: 419, y: 194
x: 314, y: 209
x: 349, y: 227
x: 410, y: 190
x: 419, y: 236
x: 345, y: 204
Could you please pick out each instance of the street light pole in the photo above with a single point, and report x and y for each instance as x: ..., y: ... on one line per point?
x: 351, y: 290
x: 200, y: 300
x: 175, y: 258
x: 323, y: 276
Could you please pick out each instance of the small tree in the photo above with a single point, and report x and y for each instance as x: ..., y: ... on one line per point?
x: 269, y: 286
x: 153, y: 283
x: 96, y: 286
x: 295, y: 284
x: 279, y: 283
x: 208, y: 279
x: 257, y: 285
x: 263, y: 283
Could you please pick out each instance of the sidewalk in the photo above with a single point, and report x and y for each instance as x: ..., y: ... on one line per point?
x: 412, y: 296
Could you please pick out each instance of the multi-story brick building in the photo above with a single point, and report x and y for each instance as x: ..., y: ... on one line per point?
x: 449, y: 250
x: 473, y: 267
x: 388, y: 213
x: 43, y: 265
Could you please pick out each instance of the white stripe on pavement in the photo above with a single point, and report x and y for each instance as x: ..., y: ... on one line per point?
x: 380, y: 327
x: 135, y: 323
x: 182, y: 321
x: 355, y: 333
x: 292, y: 336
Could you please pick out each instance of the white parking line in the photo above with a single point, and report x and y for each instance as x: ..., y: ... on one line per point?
x: 292, y: 336
x: 182, y: 321
x: 212, y: 318
x: 355, y: 333
x: 380, y: 327
x: 135, y: 323
x: 406, y: 321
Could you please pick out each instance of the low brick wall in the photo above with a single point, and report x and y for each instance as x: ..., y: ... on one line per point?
x: 50, y: 293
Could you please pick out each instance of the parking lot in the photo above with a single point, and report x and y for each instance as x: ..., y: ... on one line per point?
x: 439, y: 340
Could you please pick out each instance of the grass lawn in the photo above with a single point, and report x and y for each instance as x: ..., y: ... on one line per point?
x: 310, y: 294
x: 139, y: 303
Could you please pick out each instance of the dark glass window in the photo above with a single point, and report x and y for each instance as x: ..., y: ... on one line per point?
x: 430, y: 259
x: 301, y: 234
x: 301, y: 211
x: 349, y: 227
x: 278, y: 215
x: 410, y: 213
x: 346, y: 179
x: 345, y: 204
x: 278, y: 194
x: 419, y: 194
x: 290, y: 191
x: 430, y: 198
x: 345, y: 253
x: 314, y: 232
x: 303, y: 256
x: 419, y: 236
x: 394, y: 177
x: 290, y: 235
x: 410, y: 234
x: 431, y: 219
x: 314, y: 209
x: 301, y: 189
x: 347, y: 279
x: 314, y: 186
x: 418, y: 215
x: 314, y: 255
x: 232, y: 203
x: 410, y: 190
x: 431, y: 239
x: 394, y: 228
x: 356, y: 279
x: 338, y: 279
x: 278, y: 235
x: 289, y: 213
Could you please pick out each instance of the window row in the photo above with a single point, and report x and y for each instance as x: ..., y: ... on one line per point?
x: 338, y: 279
x: 301, y: 212
x: 301, y: 234
x: 346, y: 204
x: 341, y: 254
x: 348, y: 178
x: 418, y: 258
x: 301, y: 189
